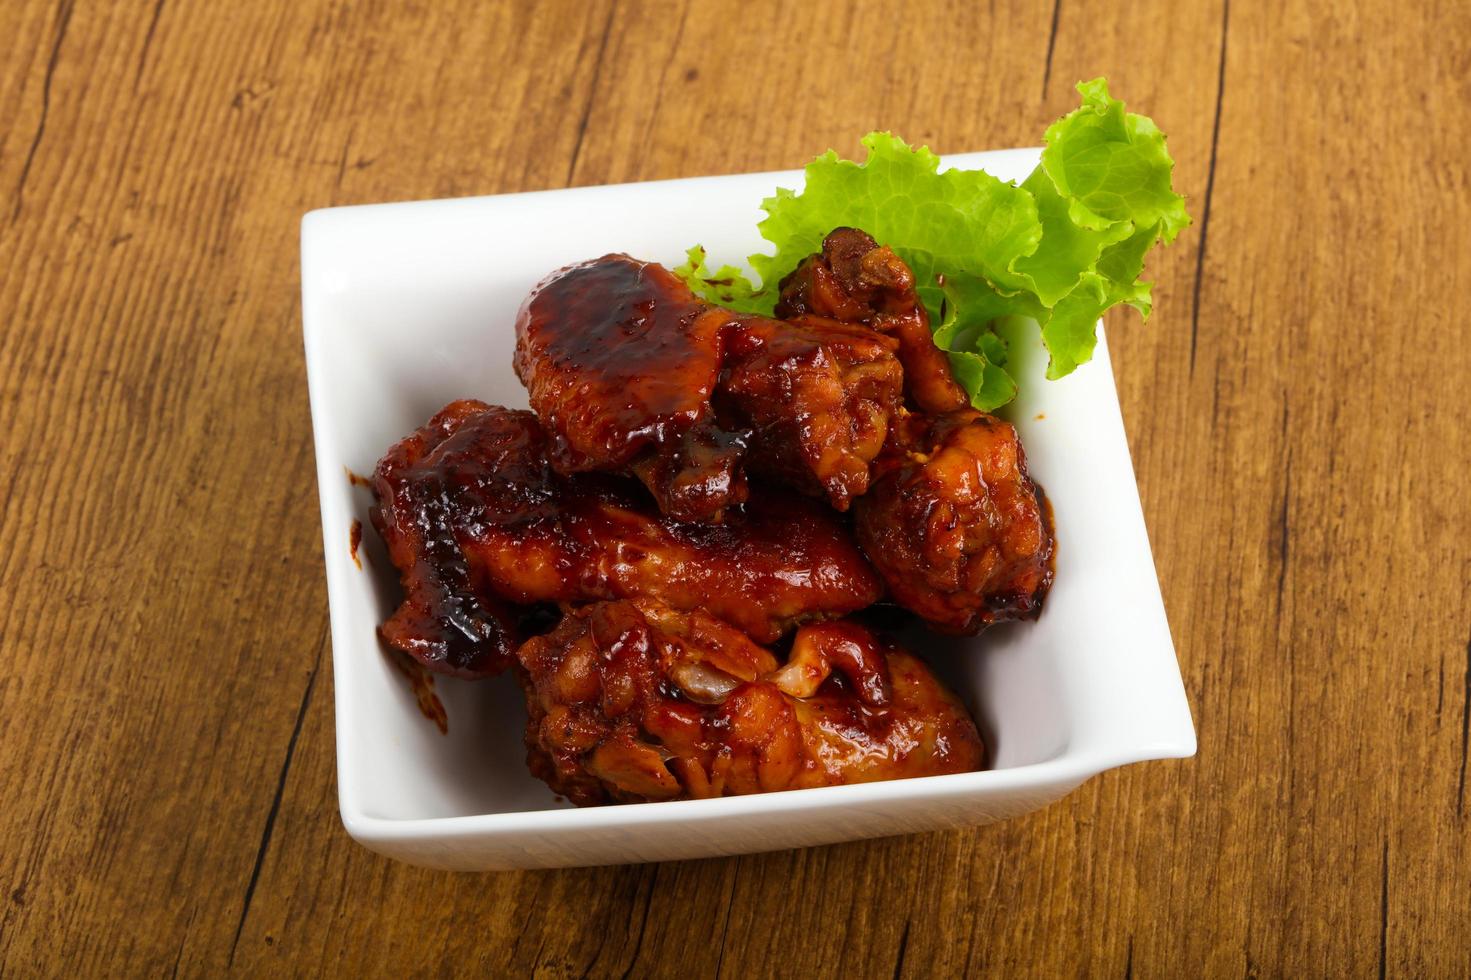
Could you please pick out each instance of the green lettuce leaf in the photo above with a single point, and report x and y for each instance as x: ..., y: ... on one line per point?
x: 727, y: 285
x: 1062, y: 247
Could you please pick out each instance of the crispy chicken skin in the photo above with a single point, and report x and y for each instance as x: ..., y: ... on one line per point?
x: 480, y: 527
x: 856, y: 280
x: 630, y: 371
x: 633, y: 701
x: 958, y: 530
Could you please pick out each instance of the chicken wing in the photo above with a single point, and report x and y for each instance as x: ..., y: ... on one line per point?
x: 954, y: 524
x: 630, y: 371
x: 620, y: 360
x: 817, y: 397
x: 633, y: 701
x: 856, y: 280
x: 442, y: 621
x: 481, y: 527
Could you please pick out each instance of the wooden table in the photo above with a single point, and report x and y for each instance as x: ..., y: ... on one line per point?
x: 1297, y: 409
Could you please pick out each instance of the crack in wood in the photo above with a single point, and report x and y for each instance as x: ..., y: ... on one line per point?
x: 592, y: 92
x: 147, y: 43
x: 1210, y: 181
x: 1384, y: 911
x: 1051, y: 43
x: 265, y: 840
x: 903, y: 949
x: 342, y: 161
x: 1282, y: 515
x: 674, y: 49
x: 643, y: 924
x: 1440, y: 692
x: 1465, y: 736
x: 183, y: 941
x: 63, y: 19
x: 725, y: 926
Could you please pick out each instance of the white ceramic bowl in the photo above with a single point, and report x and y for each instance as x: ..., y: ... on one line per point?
x: 408, y: 306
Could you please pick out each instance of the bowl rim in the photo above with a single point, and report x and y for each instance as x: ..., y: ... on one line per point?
x: 1172, y: 739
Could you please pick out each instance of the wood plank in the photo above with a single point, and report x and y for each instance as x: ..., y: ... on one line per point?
x: 1296, y: 409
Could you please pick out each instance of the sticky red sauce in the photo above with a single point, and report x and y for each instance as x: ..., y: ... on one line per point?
x: 421, y: 682
x: 357, y: 479
x: 354, y: 540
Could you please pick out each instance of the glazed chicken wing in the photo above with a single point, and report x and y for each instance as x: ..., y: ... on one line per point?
x: 633, y: 701
x: 856, y: 280
x: 442, y: 622
x: 817, y: 396
x: 630, y: 371
x: 620, y: 360
x: 954, y: 524
x: 952, y: 521
x: 481, y: 527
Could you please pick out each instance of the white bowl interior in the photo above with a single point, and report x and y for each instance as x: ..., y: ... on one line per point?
x: 410, y: 306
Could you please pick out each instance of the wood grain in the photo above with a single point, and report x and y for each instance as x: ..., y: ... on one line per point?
x: 1297, y: 411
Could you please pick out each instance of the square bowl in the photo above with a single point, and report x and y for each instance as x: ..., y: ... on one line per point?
x: 409, y: 306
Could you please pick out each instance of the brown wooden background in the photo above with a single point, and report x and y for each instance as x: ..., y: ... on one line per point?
x: 1297, y: 410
